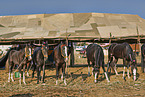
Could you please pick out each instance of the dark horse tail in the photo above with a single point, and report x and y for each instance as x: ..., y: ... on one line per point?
x: 4, y: 58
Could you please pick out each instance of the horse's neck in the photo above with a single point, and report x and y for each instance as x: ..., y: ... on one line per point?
x: 22, y: 51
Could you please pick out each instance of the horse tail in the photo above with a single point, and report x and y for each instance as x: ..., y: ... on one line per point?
x: 4, y: 58
x: 97, y: 54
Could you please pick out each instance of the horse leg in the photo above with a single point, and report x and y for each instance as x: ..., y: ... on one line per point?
x: 134, y: 74
x: 115, y: 66
x: 28, y: 67
x: 88, y: 67
x: 124, y: 68
x: 34, y: 67
x: 108, y: 65
x: 63, y: 72
x: 93, y: 68
x: 10, y: 72
x: 57, y: 73
x: 24, y: 74
x: 103, y: 67
x: 128, y: 64
x: 20, y: 74
x: 38, y: 73
x: 96, y: 76
x: 43, y: 72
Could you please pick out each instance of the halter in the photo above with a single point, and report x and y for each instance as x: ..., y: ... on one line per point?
x: 42, y: 49
x: 26, y: 55
x: 62, y: 51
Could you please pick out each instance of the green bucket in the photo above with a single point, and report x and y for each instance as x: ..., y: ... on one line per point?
x: 17, y: 74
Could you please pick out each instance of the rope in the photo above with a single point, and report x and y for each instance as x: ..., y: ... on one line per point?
x: 20, y: 64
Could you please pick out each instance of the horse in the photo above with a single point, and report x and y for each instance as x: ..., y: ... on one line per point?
x: 19, y: 58
x: 60, y: 54
x: 40, y: 56
x: 125, y: 52
x: 143, y: 57
x: 5, y: 57
x: 95, y: 55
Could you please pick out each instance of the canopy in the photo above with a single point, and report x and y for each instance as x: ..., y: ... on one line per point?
x: 80, y: 26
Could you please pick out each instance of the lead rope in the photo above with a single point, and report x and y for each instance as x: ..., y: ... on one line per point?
x: 22, y: 61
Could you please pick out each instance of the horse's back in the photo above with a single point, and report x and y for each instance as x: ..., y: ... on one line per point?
x: 93, y: 50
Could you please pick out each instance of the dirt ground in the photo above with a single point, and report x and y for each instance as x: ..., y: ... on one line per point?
x: 77, y: 85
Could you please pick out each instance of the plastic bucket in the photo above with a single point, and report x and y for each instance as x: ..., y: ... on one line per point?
x: 17, y: 74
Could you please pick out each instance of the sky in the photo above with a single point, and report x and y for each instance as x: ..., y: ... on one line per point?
x: 24, y: 7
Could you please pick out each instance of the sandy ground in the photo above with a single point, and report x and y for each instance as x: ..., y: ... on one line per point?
x: 77, y: 85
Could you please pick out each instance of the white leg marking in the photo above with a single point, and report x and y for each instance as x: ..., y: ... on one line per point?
x: 134, y: 74
x: 115, y: 70
x: 24, y: 78
x: 65, y: 82
x: 95, y: 77
x: 88, y: 70
x: 56, y: 82
x: 27, y: 73
x: 62, y: 77
x: 128, y: 73
x: 124, y: 71
x: 12, y: 77
x: 107, y: 77
x: 9, y: 77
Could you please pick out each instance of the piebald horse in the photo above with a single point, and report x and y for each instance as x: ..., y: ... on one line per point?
x: 95, y: 55
x: 125, y: 52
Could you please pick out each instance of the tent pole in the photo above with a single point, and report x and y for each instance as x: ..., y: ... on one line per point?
x: 72, y: 55
x: 110, y: 39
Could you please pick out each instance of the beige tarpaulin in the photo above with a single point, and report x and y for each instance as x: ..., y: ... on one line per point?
x: 79, y: 25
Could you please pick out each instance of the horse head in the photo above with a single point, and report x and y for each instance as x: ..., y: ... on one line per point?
x: 28, y: 52
x: 44, y: 51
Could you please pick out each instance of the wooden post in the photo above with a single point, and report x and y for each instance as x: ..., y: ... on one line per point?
x: 110, y: 39
x: 138, y: 40
x: 72, y: 55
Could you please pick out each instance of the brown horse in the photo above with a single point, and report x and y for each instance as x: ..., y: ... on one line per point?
x: 125, y: 52
x: 60, y: 57
x: 19, y: 58
x: 96, y: 56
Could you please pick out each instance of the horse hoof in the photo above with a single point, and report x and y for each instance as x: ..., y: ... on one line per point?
x: 95, y: 81
x: 24, y: 83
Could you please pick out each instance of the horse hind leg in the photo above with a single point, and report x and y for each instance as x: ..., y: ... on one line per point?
x: 115, y: 66
x: 10, y: 73
x: 20, y: 74
x: 124, y: 73
x: 57, y: 73
x: 88, y: 67
x: 105, y: 72
x: 128, y: 70
x: 96, y: 80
